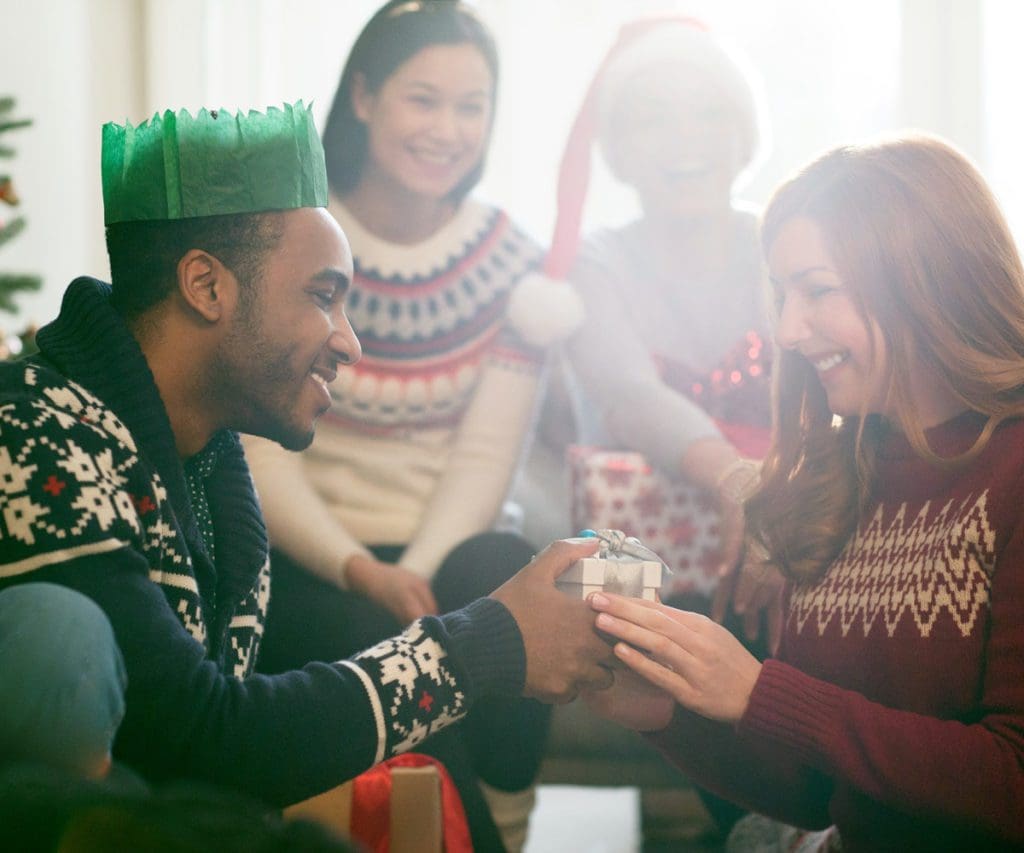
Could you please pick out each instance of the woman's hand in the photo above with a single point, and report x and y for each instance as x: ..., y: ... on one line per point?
x: 747, y: 582
x: 399, y: 591
x: 733, y: 484
x: 753, y: 587
x: 690, y: 657
x: 713, y: 464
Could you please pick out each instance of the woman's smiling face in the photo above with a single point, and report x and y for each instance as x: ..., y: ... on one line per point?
x: 428, y: 125
x: 818, y: 319
x: 675, y: 139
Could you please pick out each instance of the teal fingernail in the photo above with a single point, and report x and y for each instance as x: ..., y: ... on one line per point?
x: 588, y: 533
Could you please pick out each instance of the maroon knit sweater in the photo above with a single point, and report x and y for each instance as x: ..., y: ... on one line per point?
x: 895, y: 709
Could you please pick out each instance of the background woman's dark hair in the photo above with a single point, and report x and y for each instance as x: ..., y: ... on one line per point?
x: 399, y: 30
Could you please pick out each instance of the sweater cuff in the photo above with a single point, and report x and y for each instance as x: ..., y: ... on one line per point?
x: 797, y: 711
x: 485, y: 643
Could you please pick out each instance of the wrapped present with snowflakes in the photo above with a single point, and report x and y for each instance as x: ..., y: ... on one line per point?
x: 618, y: 489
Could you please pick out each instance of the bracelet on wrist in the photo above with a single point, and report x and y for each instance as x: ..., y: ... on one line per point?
x: 736, y: 487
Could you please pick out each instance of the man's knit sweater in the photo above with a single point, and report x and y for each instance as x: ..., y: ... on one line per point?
x: 93, y: 496
x: 895, y: 709
x: 425, y: 431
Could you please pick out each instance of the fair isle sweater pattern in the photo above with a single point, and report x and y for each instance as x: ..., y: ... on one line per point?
x: 427, y: 331
x: 89, y: 483
x: 412, y: 669
x: 897, y: 568
x: 896, y: 704
x: 73, y: 485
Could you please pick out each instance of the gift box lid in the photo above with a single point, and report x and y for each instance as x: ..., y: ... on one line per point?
x: 627, y: 577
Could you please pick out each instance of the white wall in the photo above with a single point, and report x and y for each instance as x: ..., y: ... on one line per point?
x: 68, y: 74
x: 75, y: 64
x: 833, y: 70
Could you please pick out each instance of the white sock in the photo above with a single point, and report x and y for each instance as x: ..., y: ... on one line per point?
x: 511, y: 812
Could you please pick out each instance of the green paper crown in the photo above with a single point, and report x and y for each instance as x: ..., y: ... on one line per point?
x: 175, y: 166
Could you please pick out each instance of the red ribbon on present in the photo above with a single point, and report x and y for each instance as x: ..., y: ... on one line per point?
x: 370, y: 822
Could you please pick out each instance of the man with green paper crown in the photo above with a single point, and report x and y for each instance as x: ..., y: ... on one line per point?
x: 122, y: 477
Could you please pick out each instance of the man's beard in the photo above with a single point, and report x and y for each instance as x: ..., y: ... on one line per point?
x: 263, y: 379
x: 290, y: 438
x: 271, y: 408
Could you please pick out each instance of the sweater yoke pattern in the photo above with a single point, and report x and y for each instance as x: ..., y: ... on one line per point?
x: 426, y: 330
x: 76, y: 486
x: 897, y: 568
x: 72, y: 484
x: 421, y: 305
x: 93, y: 496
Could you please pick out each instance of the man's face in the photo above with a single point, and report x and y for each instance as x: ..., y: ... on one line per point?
x: 287, y: 336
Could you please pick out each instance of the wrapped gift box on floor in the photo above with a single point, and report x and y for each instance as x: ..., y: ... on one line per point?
x: 618, y: 489
x: 407, y: 804
x: 635, y: 578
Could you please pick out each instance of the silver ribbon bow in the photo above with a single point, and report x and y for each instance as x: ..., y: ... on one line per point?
x: 615, y: 543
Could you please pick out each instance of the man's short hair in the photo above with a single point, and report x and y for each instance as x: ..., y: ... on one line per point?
x: 144, y: 255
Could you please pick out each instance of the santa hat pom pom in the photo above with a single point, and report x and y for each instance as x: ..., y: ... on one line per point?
x: 544, y: 310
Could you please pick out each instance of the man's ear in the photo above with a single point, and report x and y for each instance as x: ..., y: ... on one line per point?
x: 362, y: 98
x: 207, y: 287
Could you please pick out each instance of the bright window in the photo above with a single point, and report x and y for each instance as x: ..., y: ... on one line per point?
x: 833, y: 71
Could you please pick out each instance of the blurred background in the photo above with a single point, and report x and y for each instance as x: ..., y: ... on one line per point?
x: 832, y: 71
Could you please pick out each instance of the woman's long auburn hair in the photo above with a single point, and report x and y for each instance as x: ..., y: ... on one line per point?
x: 926, y: 255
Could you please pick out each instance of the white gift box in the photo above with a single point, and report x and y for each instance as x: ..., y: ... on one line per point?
x: 635, y: 578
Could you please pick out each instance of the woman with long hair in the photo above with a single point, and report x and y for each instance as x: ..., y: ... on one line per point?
x: 389, y: 514
x: 675, y: 298
x: 891, y: 499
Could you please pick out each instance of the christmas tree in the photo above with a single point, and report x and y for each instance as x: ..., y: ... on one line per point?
x: 11, y: 283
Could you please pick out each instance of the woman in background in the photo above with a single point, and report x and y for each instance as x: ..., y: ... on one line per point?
x: 671, y: 361
x: 385, y: 517
x: 893, y: 717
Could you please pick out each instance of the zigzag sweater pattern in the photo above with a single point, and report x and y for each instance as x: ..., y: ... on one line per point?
x: 895, y: 708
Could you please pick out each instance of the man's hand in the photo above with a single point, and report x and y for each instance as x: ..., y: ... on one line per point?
x: 564, y: 653
x: 397, y: 590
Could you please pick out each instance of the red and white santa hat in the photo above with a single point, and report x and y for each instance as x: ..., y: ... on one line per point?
x: 640, y: 44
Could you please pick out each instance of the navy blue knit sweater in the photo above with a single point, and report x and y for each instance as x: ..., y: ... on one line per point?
x: 93, y: 496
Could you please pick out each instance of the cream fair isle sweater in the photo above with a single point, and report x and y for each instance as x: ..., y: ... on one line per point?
x: 425, y: 432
